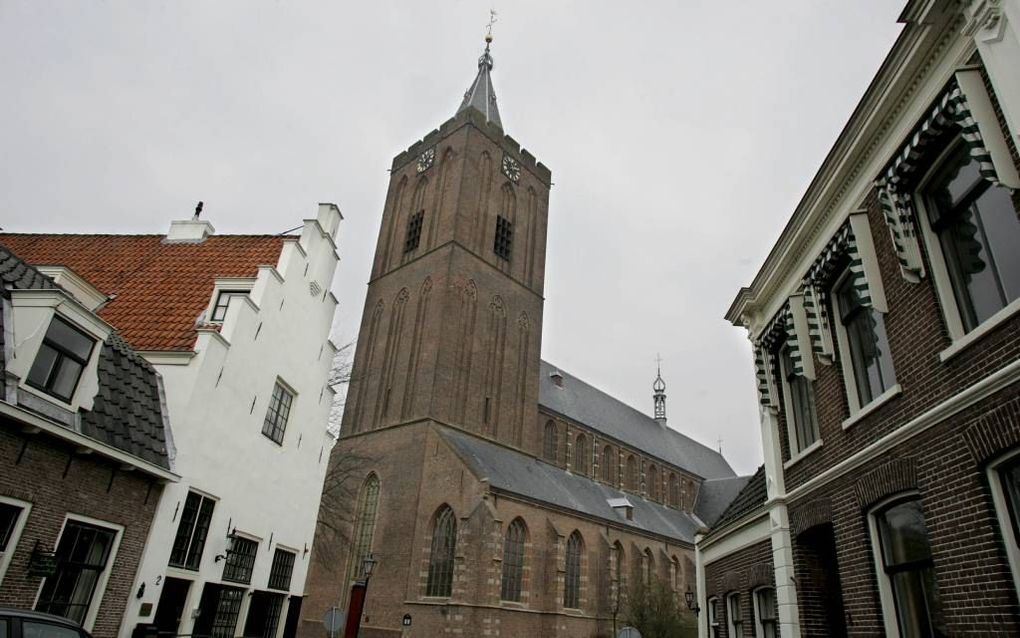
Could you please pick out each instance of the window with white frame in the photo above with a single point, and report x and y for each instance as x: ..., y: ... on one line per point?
x: 974, y: 240
x: 863, y: 342
x: 83, y: 555
x: 278, y: 412
x: 12, y: 521
x: 62, y: 356
x: 734, y: 621
x: 219, y: 312
x: 766, y: 613
x: 1004, y: 478
x: 906, y: 573
x: 799, y: 396
x: 714, y: 627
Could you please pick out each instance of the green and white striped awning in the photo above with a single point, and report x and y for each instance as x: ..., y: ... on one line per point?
x: 782, y: 327
x: 894, y: 194
x: 843, y: 247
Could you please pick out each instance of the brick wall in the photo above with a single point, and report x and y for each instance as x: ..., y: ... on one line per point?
x: 742, y: 572
x: 56, y: 481
x: 418, y: 473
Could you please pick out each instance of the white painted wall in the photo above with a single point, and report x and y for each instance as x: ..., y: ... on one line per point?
x: 217, y: 402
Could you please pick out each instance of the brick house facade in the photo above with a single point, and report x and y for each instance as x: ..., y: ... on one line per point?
x: 888, y: 469
x: 458, y: 442
x: 85, y: 467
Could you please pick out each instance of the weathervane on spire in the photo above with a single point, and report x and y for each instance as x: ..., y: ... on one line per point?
x: 659, y: 392
x: 488, y: 28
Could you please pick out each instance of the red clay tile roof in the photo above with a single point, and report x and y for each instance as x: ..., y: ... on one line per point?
x: 158, y: 289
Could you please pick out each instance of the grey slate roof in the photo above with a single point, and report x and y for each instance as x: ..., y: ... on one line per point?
x: 716, y: 495
x: 126, y: 412
x: 590, y: 406
x: 751, y: 497
x: 481, y: 96
x: 511, y: 471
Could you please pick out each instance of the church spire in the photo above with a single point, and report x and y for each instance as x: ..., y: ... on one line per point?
x: 481, y: 96
x: 659, y: 393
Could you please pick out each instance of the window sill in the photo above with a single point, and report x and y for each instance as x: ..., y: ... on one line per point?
x: 808, y: 450
x: 976, y: 334
x: 876, y: 403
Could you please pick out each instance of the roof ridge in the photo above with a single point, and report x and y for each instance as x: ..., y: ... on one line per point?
x: 645, y: 417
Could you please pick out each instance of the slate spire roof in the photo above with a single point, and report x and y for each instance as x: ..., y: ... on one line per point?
x: 481, y: 96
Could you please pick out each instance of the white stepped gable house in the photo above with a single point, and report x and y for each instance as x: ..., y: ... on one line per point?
x: 239, y: 332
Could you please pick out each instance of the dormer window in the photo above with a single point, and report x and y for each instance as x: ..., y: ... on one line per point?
x: 223, y: 301
x: 64, y: 353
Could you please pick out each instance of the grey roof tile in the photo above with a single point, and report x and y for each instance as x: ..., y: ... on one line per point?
x: 715, y: 495
x: 126, y: 412
x: 752, y: 496
x: 590, y: 406
x: 511, y: 471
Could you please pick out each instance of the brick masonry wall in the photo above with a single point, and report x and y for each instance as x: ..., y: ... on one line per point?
x: 36, y: 470
x: 742, y: 572
x: 418, y: 473
x: 946, y: 466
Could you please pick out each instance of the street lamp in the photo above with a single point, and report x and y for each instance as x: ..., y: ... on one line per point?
x: 359, y: 590
x: 689, y: 599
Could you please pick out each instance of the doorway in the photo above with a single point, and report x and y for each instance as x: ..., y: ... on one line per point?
x: 170, y: 608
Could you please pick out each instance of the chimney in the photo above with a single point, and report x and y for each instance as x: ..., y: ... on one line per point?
x: 192, y: 230
x: 557, y: 378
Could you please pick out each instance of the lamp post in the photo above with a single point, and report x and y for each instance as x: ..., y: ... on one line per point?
x: 357, y: 601
x: 689, y: 599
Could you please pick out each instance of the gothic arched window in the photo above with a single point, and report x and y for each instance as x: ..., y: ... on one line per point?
x: 632, y: 479
x: 364, y: 526
x: 513, y: 561
x: 444, y: 546
x: 572, y: 582
x: 581, y: 454
x: 674, y: 491
x: 551, y: 447
x: 607, y: 464
x: 677, y: 574
x: 653, y: 483
x: 647, y: 567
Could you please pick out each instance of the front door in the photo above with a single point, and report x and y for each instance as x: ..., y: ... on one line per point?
x: 170, y: 609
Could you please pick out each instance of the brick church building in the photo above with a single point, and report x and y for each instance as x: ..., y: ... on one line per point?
x: 499, y: 494
x: 885, y: 325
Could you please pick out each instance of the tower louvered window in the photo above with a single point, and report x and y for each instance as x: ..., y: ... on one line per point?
x: 444, y: 546
x: 414, y: 231
x: 572, y: 582
x: 513, y: 561
x: 504, y: 240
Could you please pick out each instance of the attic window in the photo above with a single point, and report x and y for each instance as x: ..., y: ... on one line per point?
x: 63, y: 355
x: 622, y: 507
x: 223, y: 301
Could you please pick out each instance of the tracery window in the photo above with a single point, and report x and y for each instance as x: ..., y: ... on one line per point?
x: 674, y: 491
x: 551, y: 445
x: 368, y: 505
x: 653, y: 483
x: 633, y: 480
x: 513, y: 561
x: 608, y: 464
x: 444, y: 546
x: 572, y: 582
x: 581, y: 454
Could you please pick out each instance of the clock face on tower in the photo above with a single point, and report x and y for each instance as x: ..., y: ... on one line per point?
x: 425, y: 160
x: 511, y: 168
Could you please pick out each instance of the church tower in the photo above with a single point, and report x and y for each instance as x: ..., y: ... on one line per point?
x: 451, y: 330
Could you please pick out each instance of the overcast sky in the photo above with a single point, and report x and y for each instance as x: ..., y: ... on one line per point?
x: 680, y: 136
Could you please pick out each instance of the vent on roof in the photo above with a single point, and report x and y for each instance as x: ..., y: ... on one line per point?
x: 557, y: 378
x: 622, y: 507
